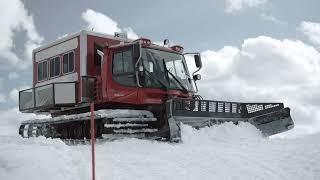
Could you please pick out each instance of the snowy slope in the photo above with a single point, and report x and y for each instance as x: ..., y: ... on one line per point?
x: 220, y: 152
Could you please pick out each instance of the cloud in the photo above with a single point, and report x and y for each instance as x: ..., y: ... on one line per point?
x: 271, y: 18
x: 13, y: 75
x: 102, y: 23
x: 1, y: 82
x: 2, y: 98
x: 14, y: 95
x: 15, y: 18
x: 266, y: 69
x: 311, y: 30
x: 233, y: 6
x: 131, y: 33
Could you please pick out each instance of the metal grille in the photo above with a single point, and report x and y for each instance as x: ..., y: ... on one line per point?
x: 187, y: 107
x: 26, y: 99
x: 252, y: 108
x: 222, y: 108
x: 44, y: 95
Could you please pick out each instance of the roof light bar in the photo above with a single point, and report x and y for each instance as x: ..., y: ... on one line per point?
x: 177, y: 48
x: 144, y: 41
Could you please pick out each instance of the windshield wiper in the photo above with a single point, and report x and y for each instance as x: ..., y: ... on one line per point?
x: 174, y: 77
x: 164, y: 87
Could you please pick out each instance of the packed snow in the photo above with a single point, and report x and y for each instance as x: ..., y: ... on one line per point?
x: 219, y: 152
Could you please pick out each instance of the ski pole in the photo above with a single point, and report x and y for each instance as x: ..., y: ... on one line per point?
x: 92, y: 140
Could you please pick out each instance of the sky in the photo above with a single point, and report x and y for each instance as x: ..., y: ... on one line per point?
x: 252, y: 50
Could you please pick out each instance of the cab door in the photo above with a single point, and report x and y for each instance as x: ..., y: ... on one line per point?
x: 122, y: 86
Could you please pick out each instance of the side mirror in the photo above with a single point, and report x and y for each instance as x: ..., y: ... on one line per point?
x: 197, y: 59
x: 196, y: 77
x: 136, y: 50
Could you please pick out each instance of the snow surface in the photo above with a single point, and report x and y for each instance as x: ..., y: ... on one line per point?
x: 220, y: 152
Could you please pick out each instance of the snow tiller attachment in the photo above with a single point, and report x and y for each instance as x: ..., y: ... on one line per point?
x: 269, y: 118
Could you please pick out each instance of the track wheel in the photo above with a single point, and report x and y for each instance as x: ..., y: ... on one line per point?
x: 78, y: 131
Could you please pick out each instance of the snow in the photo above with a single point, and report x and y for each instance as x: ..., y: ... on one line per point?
x: 120, y: 114
x: 219, y: 152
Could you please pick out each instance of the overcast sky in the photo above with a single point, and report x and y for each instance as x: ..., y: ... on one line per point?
x: 253, y: 50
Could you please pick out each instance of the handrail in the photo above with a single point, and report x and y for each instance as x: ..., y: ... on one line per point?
x: 31, y: 97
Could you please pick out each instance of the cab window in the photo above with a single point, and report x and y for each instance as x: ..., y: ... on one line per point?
x: 123, y: 67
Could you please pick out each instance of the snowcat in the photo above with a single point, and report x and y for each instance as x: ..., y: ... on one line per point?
x: 139, y: 89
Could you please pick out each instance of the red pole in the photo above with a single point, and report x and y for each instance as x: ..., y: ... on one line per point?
x: 92, y: 139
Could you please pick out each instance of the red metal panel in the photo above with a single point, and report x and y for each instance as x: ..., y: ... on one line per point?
x: 115, y: 91
x: 111, y: 91
x: 157, y: 96
x: 93, y: 70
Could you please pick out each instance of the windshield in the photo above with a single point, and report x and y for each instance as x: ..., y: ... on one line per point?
x: 157, y: 63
